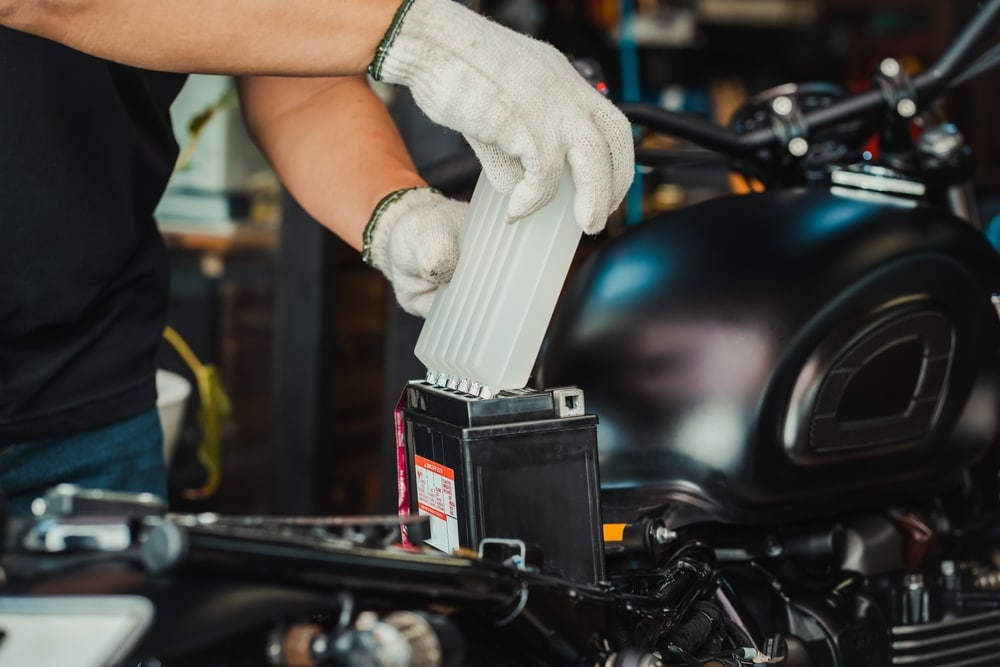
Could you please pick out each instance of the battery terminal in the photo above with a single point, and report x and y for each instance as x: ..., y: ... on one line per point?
x: 568, y: 401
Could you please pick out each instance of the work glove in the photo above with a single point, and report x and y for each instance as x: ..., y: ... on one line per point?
x: 412, y: 238
x: 519, y: 102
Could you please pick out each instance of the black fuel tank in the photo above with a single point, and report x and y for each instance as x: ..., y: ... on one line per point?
x: 777, y: 356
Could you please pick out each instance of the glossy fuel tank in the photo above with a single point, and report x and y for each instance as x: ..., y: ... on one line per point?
x: 783, y: 355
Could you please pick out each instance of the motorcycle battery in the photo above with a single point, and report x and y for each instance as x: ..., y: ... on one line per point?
x: 521, y: 466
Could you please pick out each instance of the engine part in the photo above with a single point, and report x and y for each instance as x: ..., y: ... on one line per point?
x: 970, y: 640
x: 400, y: 639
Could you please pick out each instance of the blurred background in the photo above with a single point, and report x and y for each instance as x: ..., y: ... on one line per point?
x: 307, y: 342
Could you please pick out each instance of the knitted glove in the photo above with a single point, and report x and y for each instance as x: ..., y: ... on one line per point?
x: 412, y: 238
x: 519, y: 102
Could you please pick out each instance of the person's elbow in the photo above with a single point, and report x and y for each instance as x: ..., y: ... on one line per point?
x: 11, y: 10
x: 41, y: 17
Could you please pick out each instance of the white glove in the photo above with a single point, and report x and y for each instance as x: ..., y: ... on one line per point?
x: 519, y: 102
x: 412, y: 238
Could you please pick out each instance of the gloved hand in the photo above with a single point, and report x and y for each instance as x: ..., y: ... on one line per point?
x: 519, y: 102
x: 412, y: 238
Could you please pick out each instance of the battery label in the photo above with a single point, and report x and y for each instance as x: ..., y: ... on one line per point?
x: 436, y: 499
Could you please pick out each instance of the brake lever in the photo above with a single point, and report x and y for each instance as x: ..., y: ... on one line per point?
x: 73, y: 525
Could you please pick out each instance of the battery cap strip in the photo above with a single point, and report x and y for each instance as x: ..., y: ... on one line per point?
x: 485, y: 328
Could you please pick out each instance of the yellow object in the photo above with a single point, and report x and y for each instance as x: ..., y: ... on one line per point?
x: 214, y: 408
x: 196, y: 126
x: 614, y: 532
x: 741, y: 184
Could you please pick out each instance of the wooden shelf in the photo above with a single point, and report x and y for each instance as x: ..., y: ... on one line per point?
x: 220, y: 237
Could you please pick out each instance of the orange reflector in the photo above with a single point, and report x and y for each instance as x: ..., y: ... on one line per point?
x: 614, y: 532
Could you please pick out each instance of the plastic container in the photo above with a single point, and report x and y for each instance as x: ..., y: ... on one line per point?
x: 486, y: 326
x: 172, y: 392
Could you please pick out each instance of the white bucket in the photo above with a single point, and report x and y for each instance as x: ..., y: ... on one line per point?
x: 172, y: 391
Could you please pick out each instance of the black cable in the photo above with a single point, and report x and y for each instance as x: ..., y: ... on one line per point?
x: 741, y: 637
x: 697, y: 627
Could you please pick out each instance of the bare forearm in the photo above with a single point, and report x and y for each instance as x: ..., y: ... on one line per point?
x: 333, y: 144
x: 278, y: 37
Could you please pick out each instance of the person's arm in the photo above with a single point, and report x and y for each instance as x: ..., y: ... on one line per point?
x: 278, y: 37
x: 338, y: 151
x: 333, y: 144
x: 523, y: 107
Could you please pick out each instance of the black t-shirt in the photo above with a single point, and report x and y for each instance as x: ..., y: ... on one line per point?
x: 86, y: 148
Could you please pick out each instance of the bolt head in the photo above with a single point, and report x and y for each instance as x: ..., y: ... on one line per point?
x: 906, y: 108
x: 663, y: 535
x: 782, y: 105
x: 798, y: 146
x: 889, y: 67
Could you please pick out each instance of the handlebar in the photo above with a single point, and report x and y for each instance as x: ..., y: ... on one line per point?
x: 458, y: 173
x: 926, y: 86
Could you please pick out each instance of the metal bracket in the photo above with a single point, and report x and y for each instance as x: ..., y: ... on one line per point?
x: 517, y: 560
x: 896, y: 88
x: 72, y: 521
x: 790, y: 125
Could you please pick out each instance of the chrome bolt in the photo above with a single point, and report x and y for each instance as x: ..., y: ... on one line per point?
x: 798, y: 146
x: 663, y: 535
x: 906, y: 108
x: 782, y: 105
x: 889, y: 67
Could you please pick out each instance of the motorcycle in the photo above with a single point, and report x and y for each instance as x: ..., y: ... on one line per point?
x: 805, y: 378
x: 793, y: 461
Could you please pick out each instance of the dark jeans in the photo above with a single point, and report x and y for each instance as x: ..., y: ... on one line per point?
x: 125, y: 456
